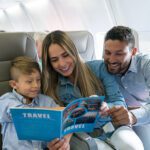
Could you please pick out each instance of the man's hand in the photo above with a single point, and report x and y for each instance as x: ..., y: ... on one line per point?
x: 121, y: 116
x: 60, y: 144
x: 104, y: 109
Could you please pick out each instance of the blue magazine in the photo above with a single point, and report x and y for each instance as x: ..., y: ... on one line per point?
x: 46, y: 124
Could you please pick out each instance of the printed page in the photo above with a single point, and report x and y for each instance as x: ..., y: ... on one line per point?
x: 81, y: 114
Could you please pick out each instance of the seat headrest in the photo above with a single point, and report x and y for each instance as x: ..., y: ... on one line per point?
x: 84, y: 43
x: 11, y: 46
x: 16, y: 44
x: 136, y: 39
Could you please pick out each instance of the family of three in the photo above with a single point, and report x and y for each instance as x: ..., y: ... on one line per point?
x: 65, y: 77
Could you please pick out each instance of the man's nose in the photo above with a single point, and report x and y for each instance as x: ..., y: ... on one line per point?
x: 112, y: 58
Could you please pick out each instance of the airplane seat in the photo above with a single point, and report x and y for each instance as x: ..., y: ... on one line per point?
x: 11, y: 46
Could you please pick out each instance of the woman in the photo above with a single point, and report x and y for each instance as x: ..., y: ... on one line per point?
x: 66, y: 77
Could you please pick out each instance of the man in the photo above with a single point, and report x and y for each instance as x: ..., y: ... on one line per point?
x: 132, y: 72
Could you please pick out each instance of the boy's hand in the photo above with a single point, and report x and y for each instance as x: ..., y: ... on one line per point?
x: 60, y: 144
x: 121, y: 116
x: 104, y: 109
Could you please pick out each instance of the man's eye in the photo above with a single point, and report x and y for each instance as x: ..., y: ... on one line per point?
x: 29, y: 81
x: 107, y: 53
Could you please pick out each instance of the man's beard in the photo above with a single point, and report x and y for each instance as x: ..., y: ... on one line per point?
x: 114, y: 70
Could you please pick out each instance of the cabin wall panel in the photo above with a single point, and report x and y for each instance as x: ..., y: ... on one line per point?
x: 132, y: 13
x: 18, y: 19
x: 5, y: 24
x: 43, y: 15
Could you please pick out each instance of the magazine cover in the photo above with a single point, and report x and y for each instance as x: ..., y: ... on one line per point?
x: 47, y: 124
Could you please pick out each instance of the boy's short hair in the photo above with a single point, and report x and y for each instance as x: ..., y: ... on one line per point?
x: 23, y: 65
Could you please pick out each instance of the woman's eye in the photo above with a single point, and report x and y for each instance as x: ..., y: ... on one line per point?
x: 65, y: 55
x: 53, y: 60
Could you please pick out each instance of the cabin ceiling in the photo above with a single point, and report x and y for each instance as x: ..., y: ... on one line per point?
x: 93, y: 14
x: 4, y: 4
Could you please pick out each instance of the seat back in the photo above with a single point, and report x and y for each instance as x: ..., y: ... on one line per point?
x: 11, y: 46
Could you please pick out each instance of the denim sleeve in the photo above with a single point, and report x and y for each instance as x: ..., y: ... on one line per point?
x: 112, y: 92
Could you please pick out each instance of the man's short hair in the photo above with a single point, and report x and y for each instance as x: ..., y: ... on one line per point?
x: 121, y: 33
x: 23, y: 65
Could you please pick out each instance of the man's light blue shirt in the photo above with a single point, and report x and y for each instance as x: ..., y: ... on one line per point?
x: 135, y: 87
x: 10, y: 139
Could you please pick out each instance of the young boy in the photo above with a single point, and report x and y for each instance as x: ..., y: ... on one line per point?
x: 26, y: 83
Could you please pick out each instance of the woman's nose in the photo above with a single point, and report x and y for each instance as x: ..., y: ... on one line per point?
x: 62, y: 62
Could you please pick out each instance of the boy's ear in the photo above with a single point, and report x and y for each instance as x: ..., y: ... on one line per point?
x: 12, y: 83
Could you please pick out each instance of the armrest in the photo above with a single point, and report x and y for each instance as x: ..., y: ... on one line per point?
x: 82, y: 140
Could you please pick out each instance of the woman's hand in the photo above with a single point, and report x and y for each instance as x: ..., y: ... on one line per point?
x: 60, y: 144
